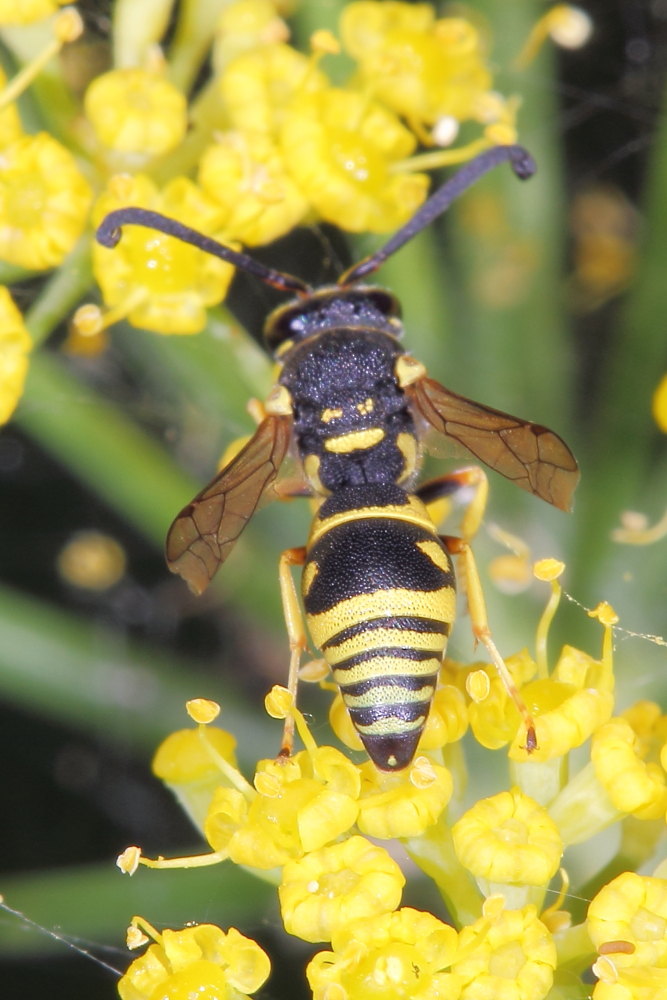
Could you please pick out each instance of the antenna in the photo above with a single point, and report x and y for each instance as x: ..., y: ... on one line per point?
x: 109, y: 233
x: 522, y: 164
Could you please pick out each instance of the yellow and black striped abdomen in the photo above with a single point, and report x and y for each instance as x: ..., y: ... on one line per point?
x: 379, y: 595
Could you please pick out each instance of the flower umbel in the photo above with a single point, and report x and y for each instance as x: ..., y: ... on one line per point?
x: 268, y: 143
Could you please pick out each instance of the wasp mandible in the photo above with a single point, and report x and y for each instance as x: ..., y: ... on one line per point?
x: 378, y: 582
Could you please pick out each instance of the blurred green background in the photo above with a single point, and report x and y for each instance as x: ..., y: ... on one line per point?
x: 547, y: 299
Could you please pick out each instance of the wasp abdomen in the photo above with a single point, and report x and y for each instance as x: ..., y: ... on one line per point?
x: 379, y: 595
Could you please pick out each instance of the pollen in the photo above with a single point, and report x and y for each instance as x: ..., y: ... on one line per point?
x: 128, y: 861
x: 604, y: 613
x: 567, y: 25
x: 548, y: 569
x: 325, y: 42
x: 135, y: 938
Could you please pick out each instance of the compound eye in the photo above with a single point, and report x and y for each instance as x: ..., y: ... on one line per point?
x: 385, y: 302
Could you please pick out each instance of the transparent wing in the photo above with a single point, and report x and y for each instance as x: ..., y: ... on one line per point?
x: 203, y: 534
x: 530, y: 455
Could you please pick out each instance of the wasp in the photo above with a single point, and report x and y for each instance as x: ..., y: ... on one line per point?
x: 378, y: 583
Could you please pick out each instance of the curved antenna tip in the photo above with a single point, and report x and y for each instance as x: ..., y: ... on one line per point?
x: 523, y: 164
x: 108, y: 232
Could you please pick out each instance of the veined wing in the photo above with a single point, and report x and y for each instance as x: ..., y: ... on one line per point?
x: 203, y: 534
x: 530, y: 455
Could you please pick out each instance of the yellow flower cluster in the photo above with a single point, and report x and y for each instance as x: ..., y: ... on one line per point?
x: 267, y: 143
x: 178, y: 962
x: 306, y: 820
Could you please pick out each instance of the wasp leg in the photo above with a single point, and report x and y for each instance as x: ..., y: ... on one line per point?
x: 444, y: 488
x: 481, y: 631
x: 471, y: 480
x: 296, y: 633
x: 292, y: 489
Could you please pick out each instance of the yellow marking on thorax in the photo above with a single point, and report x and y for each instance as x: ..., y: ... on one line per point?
x: 414, y: 512
x: 408, y: 370
x: 366, y: 407
x: 407, y: 445
x: 279, y: 402
x: 311, y: 466
x: 354, y: 441
x: 331, y: 413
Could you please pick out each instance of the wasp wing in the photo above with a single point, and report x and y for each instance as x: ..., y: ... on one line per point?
x: 204, y: 532
x: 530, y: 455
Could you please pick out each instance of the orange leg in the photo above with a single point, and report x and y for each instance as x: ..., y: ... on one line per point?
x: 296, y: 632
x: 482, y: 632
x: 474, y: 479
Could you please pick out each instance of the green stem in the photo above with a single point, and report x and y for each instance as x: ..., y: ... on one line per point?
x: 575, y: 950
x: 102, y: 447
x: 85, y: 675
x: 62, y: 293
x: 62, y: 898
x: 195, y: 31
x: 623, y: 457
x: 434, y: 853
